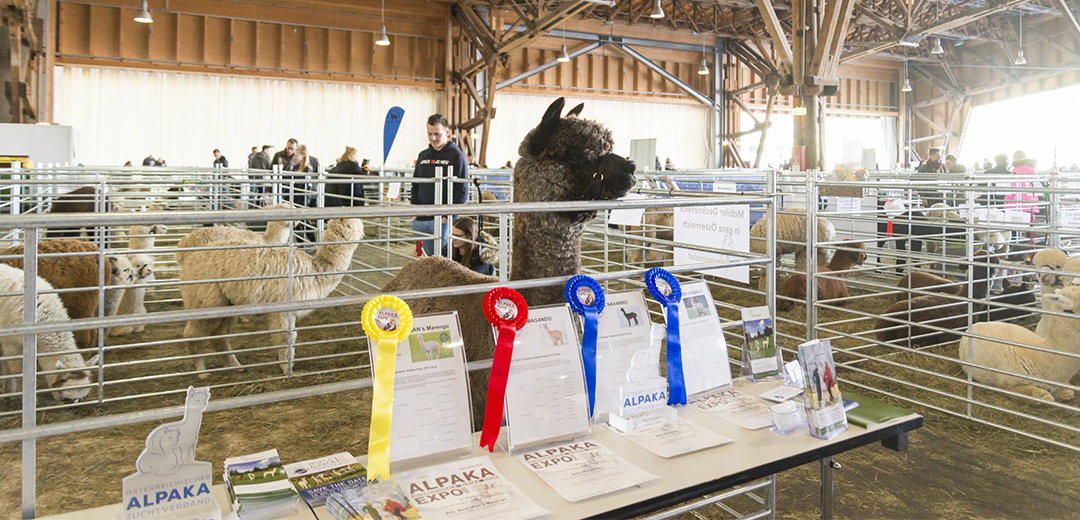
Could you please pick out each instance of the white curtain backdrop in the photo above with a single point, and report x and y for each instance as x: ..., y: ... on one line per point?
x: 887, y: 161
x: 121, y: 115
x: 681, y: 131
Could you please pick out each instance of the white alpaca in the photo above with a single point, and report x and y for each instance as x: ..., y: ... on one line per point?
x: 792, y: 228
x: 431, y: 348
x: 277, y: 232
x: 142, y: 237
x: 242, y: 263
x: 61, y: 345
x: 1061, y: 336
x: 1055, y: 260
x: 122, y: 274
x: 133, y: 300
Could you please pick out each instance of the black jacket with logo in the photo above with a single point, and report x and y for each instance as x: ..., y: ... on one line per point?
x: 426, y: 164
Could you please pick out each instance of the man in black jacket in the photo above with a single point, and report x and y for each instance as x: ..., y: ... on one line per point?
x: 261, y: 160
x: 219, y: 160
x: 444, y: 156
x: 284, y: 157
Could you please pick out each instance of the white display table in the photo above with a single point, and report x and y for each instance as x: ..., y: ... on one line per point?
x: 753, y: 455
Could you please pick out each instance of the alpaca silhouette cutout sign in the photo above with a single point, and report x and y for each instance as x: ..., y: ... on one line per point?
x: 169, y: 482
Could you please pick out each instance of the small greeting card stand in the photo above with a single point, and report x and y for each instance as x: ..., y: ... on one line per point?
x: 169, y: 482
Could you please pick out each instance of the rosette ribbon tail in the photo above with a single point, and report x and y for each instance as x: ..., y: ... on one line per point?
x: 500, y: 372
x: 676, y: 383
x: 382, y: 408
x: 588, y: 353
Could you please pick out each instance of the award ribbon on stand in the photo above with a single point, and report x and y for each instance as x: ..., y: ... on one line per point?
x: 667, y: 291
x: 506, y: 309
x: 389, y: 320
x: 586, y: 298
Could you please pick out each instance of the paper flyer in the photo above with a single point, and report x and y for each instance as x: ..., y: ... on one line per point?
x: 675, y: 438
x: 470, y: 488
x: 780, y: 393
x: 545, y: 393
x: 704, y: 350
x: 735, y: 407
x: 581, y: 470
x: 824, y: 404
x: 431, y: 391
x: 317, y: 479
x: 623, y: 351
x: 760, y: 356
x: 377, y: 501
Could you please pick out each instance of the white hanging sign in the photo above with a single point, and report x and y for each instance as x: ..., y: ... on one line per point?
x: 628, y: 217
x: 723, y: 227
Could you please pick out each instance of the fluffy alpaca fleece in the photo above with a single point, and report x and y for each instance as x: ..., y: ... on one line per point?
x: 1012, y: 294
x: 70, y: 272
x: 927, y: 281
x: 133, y: 300
x: 1061, y: 336
x: 79, y: 200
x: 939, y: 311
x: 240, y: 263
x: 143, y: 237
x: 277, y: 232
x: 1055, y: 260
x: 792, y: 228
x: 56, y: 349
x: 828, y: 288
x: 562, y: 159
x: 657, y: 223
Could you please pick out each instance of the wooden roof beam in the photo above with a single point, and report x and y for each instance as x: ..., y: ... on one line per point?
x: 1070, y: 16
x: 772, y: 23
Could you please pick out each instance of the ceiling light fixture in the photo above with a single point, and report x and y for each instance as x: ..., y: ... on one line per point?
x: 1020, y: 60
x: 798, y: 111
x: 657, y: 10
x: 563, y: 56
x: 937, y: 47
x: 144, y: 14
x: 907, y: 83
x: 383, y: 40
x: 704, y: 69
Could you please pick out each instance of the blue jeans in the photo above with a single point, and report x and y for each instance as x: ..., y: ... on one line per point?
x: 427, y: 227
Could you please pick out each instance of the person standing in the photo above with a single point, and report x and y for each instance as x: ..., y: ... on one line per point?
x: 951, y: 166
x: 441, y: 154
x: 1001, y: 164
x: 340, y: 193
x: 932, y: 164
x: 219, y: 160
x: 285, y: 157
x: 251, y: 156
x: 149, y: 161
x: 1022, y: 165
x: 261, y: 160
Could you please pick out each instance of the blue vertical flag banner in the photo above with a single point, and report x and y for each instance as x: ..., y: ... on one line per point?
x: 390, y: 128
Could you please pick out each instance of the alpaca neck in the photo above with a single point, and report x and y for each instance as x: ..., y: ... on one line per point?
x: 545, y: 245
x: 328, y: 258
x: 112, y: 300
x: 841, y: 262
x: 1062, y: 332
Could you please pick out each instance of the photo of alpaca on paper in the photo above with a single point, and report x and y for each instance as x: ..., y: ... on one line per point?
x: 554, y: 334
x: 430, y: 346
x: 696, y: 307
x: 631, y: 316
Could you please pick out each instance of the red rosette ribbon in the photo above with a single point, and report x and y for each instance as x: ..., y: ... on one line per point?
x: 506, y: 309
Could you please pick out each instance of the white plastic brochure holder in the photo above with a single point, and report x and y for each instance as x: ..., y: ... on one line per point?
x: 704, y: 349
x: 546, y: 400
x: 626, y: 350
x: 643, y: 392
x: 824, y: 404
x: 169, y: 482
x: 432, y: 414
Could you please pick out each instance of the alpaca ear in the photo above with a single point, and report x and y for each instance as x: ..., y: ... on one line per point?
x: 576, y: 111
x: 547, y: 127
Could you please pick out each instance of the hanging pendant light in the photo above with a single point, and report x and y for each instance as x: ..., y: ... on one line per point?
x: 907, y: 83
x: 704, y: 69
x: 657, y: 10
x: 937, y: 47
x: 1020, y: 60
x: 383, y: 40
x: 563, y: 56
x: 144, y: 14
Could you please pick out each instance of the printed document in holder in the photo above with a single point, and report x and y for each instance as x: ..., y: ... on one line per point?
x: 624, y: 350
x: 704, y: 349
x: 432, y: 413
x: 546, y: 400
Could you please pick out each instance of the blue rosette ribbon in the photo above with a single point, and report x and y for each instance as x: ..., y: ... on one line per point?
x: 667, y: 291
x: 586, y: 298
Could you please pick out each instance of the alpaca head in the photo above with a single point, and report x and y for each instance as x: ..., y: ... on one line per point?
x: 569, y: 159
x: 343, y: 230
x: 140, y: 230
x: 277, y: 231
x: 66, y: 386
x: 852, y: 258
x: 1054, y: 259
x: 1072, y: 266
x: 142, y: 265
x: 1066, y: 300
x: 121, y: 272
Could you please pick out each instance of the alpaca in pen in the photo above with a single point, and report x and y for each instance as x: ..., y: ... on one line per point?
x: 828, y: 288
x: 277, y: 232
x: 792, y: 228
x: 217, y: 264
x: 141, y: 239
x: 562, y: 159
x: 79, y: 272
x: 56, y: 350
x: 1049, y: 283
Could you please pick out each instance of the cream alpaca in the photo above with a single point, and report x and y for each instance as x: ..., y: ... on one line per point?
x: 56, y: 349
x: 142, y: 237
x: 1061, y: 337
x: 792, y: 228
x: 241, y: 263
x: 1054, y: 260
x: 277, y: 232
x: 133, y: 300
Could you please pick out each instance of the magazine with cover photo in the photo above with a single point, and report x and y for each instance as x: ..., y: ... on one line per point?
x: 824, y: 405
x: 761, y: 358
x: 317, y: 479
x: 377, y: 501
x: 258, y: 486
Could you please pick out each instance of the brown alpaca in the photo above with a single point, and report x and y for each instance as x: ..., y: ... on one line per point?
x: 939, y: 311
x: 70, y: 272
x: 79, y: 200
x: 562, y: 159
x: 929, y: 282
x: 827, y: 288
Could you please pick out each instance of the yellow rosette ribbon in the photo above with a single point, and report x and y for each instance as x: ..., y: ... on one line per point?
x: 388, y: 320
